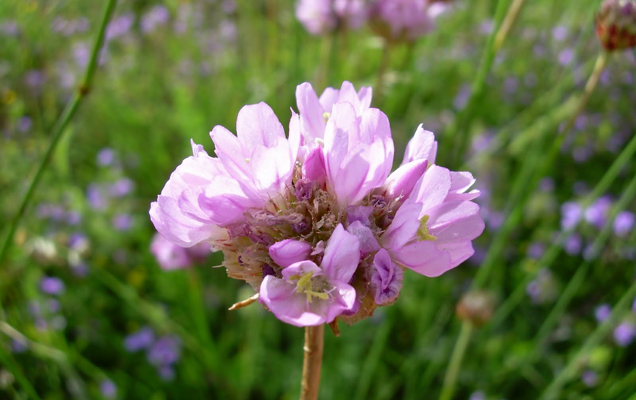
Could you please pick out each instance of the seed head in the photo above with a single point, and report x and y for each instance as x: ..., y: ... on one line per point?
x: 616, y: 24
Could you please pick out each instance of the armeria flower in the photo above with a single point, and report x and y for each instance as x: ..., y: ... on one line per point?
x: 170, y: 256
x: 616, y: 24
x: 322, y: 16
x: 316, y: 223
x: 404, y: 20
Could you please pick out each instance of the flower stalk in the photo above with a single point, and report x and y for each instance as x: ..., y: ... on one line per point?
x: 450, y: 379
x: 60, y: 126
x: 312, y: 362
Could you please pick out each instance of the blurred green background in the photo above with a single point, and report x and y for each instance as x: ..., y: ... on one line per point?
x: 87, y: 312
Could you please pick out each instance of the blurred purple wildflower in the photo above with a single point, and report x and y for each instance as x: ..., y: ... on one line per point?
x: 9, y: 28
x: 624, y: 334
x: 624, y: 223
x: 566, y: 56
x: 543, y: 288
x: 122, y: 222
x: 163, y: 354
x: 19, y: 346
x: 154, y: 18
x: 108, y: 389
x: 141, y: 339
x: 596, y: 214
x: 97, y: 197
x: 573, y: 244
x: 24, y: 124
x: 570, y: 215
x: 602, y: 312
x: 478, y: 395
x: 119, y: 26
x: 536, y: 250
x: 589, y: 378
x: 51, y: 285
x: 34, y: 78
x: 122, y: 187
x: 559, y: 33
x: 106, y: 157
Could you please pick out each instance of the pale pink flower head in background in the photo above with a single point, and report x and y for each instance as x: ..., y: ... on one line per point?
x: 316, y: 223
x: 323, y: 16
x: 404, y: 20
x: 170, y: 256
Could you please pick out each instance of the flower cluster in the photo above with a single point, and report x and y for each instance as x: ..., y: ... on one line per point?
x: 161, y: 352
x: 322, y: 16
x: 395, y: 20
x: 405, y: 20
x: 316, y: 222
x: 170, y: 256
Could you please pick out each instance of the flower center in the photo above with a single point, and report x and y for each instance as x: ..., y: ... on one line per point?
x: 305, y: 285
x: 423, y: 233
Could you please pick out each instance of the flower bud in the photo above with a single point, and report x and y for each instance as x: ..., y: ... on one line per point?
x: 616, y: 24
x: 476, y: 306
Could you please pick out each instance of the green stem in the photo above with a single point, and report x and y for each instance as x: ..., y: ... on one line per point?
x: 526, y: 181
x: 573, y: 286
x: 60, y: 126
x: 553, y: 251
x: 312, y: 362
x: 553, y: 390
x: 7, y: 361
x: 507, y: 23
x: 460, y: 131
x: 450, y: 379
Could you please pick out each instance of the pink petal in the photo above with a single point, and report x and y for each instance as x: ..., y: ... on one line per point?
x: 314, y: 166
x: 455, y: 221
x: 343, y: 299
x: 227, y: 148
x: 328, y: 99
x: 257, y: 125
x: 403, y: 228
x: 312, y: 119
x: 289, y: 251
x: 432, y: 189
x: 403, y: 179
x: 424, y: 258
x: 287, y: 305
x: 458, y: 251
x: 342, y: 255
x: 421, y: 147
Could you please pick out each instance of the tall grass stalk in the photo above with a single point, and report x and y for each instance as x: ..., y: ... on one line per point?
x: 567, y: 373
x: 553, y: 251
x: 60, y: 125
x: 460, y: 131
x: 450, y: 379
x: 522, y: 188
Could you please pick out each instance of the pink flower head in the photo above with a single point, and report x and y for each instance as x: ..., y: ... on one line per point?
x: 170, y: 256
x: 398, y: 20
x: 317, y: 223
x: 322, y: 16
